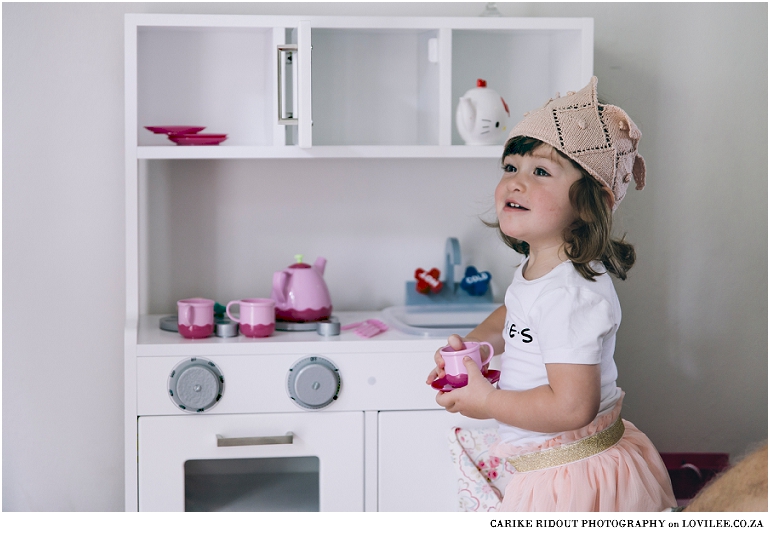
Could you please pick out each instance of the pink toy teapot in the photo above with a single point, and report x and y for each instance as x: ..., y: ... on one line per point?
x: 300, y: 292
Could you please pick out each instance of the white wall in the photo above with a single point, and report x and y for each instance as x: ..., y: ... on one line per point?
x: 692, y: 351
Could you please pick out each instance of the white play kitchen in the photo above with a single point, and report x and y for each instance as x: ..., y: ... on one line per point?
x: 327, y: 413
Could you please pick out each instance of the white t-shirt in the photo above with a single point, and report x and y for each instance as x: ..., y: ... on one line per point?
x: 559, y: 318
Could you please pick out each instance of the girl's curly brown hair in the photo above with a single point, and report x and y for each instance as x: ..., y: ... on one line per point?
x: 589, y: 237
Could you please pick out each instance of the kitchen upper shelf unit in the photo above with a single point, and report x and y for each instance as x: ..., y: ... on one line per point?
x: 355, y: 86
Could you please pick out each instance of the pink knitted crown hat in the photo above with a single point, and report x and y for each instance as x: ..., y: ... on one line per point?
x: 602, y: 139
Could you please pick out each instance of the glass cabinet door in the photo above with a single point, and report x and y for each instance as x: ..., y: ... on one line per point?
x: 375, y: 86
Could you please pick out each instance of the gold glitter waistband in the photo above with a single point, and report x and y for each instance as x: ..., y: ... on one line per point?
x: 570, y: 453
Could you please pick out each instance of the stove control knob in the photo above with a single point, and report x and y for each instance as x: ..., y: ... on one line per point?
x: 313, y: 382
x: 196, y: 385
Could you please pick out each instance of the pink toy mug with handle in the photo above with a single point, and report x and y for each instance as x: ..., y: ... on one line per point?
x: 456, y: 373
x: 195, y: 317
x: 257, y: 316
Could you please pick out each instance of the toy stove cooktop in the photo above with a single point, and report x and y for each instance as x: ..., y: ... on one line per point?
x: 287, y: 372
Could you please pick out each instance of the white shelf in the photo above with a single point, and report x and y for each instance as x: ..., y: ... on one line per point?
x: 342, y: 22
x: 349, y: 151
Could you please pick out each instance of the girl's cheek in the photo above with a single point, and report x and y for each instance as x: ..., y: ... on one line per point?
x: 499, y: 194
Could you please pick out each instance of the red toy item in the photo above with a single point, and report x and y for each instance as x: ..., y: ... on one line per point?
x: 427, y: 281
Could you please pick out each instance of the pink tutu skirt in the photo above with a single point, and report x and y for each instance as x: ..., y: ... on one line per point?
x: 629, y: 476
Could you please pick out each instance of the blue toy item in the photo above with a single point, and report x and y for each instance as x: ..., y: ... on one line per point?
x: 475, y: 283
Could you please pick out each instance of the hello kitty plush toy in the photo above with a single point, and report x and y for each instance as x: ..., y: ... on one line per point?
x: 482, y: 116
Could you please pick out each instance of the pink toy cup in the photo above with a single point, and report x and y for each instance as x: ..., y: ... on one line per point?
x: 257, y: 316
x: 456, y: 373
x: 195, y: 317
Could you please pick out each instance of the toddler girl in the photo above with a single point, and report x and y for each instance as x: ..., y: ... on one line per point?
x: 566, y: 168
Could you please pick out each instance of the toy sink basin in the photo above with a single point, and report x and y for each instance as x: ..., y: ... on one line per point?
x: 438, y: 320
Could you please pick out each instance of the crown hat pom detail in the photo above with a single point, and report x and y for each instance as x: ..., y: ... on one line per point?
x: 602, y: 139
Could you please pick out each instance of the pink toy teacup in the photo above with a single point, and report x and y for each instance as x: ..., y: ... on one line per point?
x: 257, y: 316
x: 456, y: 373
x: 195, y: 317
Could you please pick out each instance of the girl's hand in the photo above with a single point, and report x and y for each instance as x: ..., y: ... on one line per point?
x: 457, y: 343
x: 489, y: 330
x: 469, y: 400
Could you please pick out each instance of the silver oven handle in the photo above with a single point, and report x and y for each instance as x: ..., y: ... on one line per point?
x: 222, y: 442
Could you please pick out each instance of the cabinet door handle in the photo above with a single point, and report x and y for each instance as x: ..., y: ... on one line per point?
x: 222, y: 442
x: 282, y: 119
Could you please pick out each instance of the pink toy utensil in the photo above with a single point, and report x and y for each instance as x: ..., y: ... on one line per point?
x: 367, y: 328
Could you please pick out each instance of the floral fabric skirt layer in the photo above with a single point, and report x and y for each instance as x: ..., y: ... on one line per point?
x: 629, y: 476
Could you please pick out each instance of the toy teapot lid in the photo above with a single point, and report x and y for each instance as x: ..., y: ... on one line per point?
x: 299, y: 263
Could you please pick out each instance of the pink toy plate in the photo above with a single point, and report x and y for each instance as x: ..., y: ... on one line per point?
x: 197, y: 139
x: 447, y: 385
x: 175, y: 129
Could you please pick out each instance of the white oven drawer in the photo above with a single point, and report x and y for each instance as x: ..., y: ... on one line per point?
x: 334, y: 441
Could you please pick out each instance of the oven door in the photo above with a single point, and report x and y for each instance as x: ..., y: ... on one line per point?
x: 264, y: 462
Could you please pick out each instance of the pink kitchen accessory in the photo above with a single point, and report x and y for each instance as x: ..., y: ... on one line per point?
x: 457, y: 374
x: 175, y: 129
x: 197, y: 139
x: 366, y: 328
x: 445, y: 385
x: 300, y: 292
x: 257, y: 316
x: 188, y: 135
x: 195, y: 317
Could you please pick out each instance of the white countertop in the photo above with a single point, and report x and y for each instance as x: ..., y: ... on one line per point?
x: 152, y: 341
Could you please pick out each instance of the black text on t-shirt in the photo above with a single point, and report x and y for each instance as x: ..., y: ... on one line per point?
x: 513, y: 331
